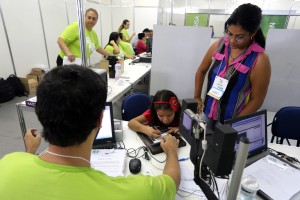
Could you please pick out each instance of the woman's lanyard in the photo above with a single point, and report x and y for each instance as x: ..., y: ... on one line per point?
x: 220, y: 84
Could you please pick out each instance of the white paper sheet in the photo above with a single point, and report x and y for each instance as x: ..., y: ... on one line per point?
x: 277, y: 179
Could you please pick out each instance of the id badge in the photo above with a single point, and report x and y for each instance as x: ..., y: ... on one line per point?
x: 218, y: 88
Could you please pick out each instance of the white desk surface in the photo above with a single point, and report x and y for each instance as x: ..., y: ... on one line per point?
x: 131, y: 75
x: 132, y: 140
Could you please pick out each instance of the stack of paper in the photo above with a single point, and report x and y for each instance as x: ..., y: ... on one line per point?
x: 109, y: 161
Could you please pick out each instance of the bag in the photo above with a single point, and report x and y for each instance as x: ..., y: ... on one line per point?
x: 7, y: 92
x: 19, y: 88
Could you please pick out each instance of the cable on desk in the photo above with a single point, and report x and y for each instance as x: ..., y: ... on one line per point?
x: 189, y: 193
x: 284, y: 156
x: 133, y: 153
x: 109, y: 92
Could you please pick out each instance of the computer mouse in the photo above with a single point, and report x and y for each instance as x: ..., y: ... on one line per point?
x: 135, y: 165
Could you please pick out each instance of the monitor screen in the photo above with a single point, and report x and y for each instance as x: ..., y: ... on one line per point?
x: 149, y: 45
x: 254, y: 127
x: 106, y: 130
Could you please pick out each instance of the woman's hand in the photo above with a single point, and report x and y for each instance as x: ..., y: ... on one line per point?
x: 112, y: 42
x: 71, y: 57
x: 200, y: 105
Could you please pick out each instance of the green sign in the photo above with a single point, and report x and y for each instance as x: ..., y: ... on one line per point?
x: 196, y: 19
x: 272, y: 21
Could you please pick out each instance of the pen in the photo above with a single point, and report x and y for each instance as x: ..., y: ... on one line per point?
x: 183, y: 159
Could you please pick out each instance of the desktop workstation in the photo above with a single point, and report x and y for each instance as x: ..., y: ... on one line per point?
x: 133, y: 73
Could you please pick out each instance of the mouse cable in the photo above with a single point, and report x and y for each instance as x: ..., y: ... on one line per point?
x: 133, y: 153
x: 188, y: 193
x: 109, y: 92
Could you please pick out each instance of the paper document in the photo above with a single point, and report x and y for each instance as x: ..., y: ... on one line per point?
x: 66, y: 61
x: 109, y: 161
x: 187, y: 183
x: 277, y: 179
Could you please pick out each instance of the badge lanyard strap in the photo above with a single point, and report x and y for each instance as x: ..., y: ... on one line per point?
x: 233, y: 67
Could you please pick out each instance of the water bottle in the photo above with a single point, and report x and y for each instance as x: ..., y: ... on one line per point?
x: 249, y: 187
x: 118, y: 71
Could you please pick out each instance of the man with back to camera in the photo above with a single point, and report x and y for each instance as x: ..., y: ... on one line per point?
x: 70, y: 106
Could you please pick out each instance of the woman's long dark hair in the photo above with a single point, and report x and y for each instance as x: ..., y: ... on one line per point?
x: 113, y: 36
x: 248, y: 16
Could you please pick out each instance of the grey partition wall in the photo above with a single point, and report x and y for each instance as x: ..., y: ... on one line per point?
x: 283, y: 49
x: 177, y: 53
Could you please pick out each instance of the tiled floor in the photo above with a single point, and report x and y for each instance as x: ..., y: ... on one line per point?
x: 10, y: 132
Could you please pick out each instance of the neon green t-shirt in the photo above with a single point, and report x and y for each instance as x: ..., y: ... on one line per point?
x: 125, y: 33
x: 71, y: 37
x: 127, y: 47
x: 25, y: 176
x: 110, y: 49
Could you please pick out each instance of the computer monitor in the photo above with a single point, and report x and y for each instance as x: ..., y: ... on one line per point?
x: 149, y: 45
x: 254, y: 127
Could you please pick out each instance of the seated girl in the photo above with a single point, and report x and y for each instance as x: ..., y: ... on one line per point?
x: 164, y: 113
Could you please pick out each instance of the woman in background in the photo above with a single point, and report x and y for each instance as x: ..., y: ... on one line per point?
x: 238, y: 68
x: 69, y: 41
x: 126, y: 46
x: 123, y: 29
x: 140, y: 45
x: 164, y: 112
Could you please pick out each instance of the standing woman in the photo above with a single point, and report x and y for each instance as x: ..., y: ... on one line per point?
x: 238, y: 68
x: 69, y: 41
x: 123, y: 29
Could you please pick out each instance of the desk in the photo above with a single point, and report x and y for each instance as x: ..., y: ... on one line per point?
x: 132, y: 140
x: 132, y: 73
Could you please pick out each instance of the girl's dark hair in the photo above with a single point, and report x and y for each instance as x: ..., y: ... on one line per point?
x: 163, y: 95
x: 113, y: 36
x: 248, y: 16
x: 141, y: 35
x: 123, y: 25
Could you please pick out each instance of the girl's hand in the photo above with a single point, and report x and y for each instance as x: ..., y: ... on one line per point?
x: 200, y: 105
x: 152, y: 132
x: 174, y: 130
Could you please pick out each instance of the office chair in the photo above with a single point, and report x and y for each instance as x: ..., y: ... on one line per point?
x: 285, y: 125
x: 134, y: 105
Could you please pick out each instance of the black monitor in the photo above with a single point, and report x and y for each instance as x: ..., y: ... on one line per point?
x: 149, y: 45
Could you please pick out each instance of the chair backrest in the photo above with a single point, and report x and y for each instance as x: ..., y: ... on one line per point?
x: 286, y: 123
x: 134, y: 105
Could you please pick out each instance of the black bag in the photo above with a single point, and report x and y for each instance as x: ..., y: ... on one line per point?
x: 19, y: 88
x: 7, y: 92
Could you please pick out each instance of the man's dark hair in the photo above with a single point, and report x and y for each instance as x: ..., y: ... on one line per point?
x: 70, y: 100
x: 146, y: 30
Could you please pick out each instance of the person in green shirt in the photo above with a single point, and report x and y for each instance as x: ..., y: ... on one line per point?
x: 113, y: 46
x: 126, y: 46
x: 70, y: 104
x: 123, y: 29
x: 69, y: 41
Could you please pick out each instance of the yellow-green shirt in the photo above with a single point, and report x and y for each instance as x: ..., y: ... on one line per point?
x: 25, y: 176
x: 125, y: 33
x: 127, y: 47
x: 71, y: 37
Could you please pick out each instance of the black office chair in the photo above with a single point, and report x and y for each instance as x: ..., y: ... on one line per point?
x: 285, y: 125
x: 134, y: 105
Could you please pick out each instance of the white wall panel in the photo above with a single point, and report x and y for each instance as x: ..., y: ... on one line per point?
x: 25, y: 34
x: 144, y: 18
x: 6, y: 67
x: 284, y: 56
x: 55, y: 20
x: 118, y: 15
x: 175, y: 61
